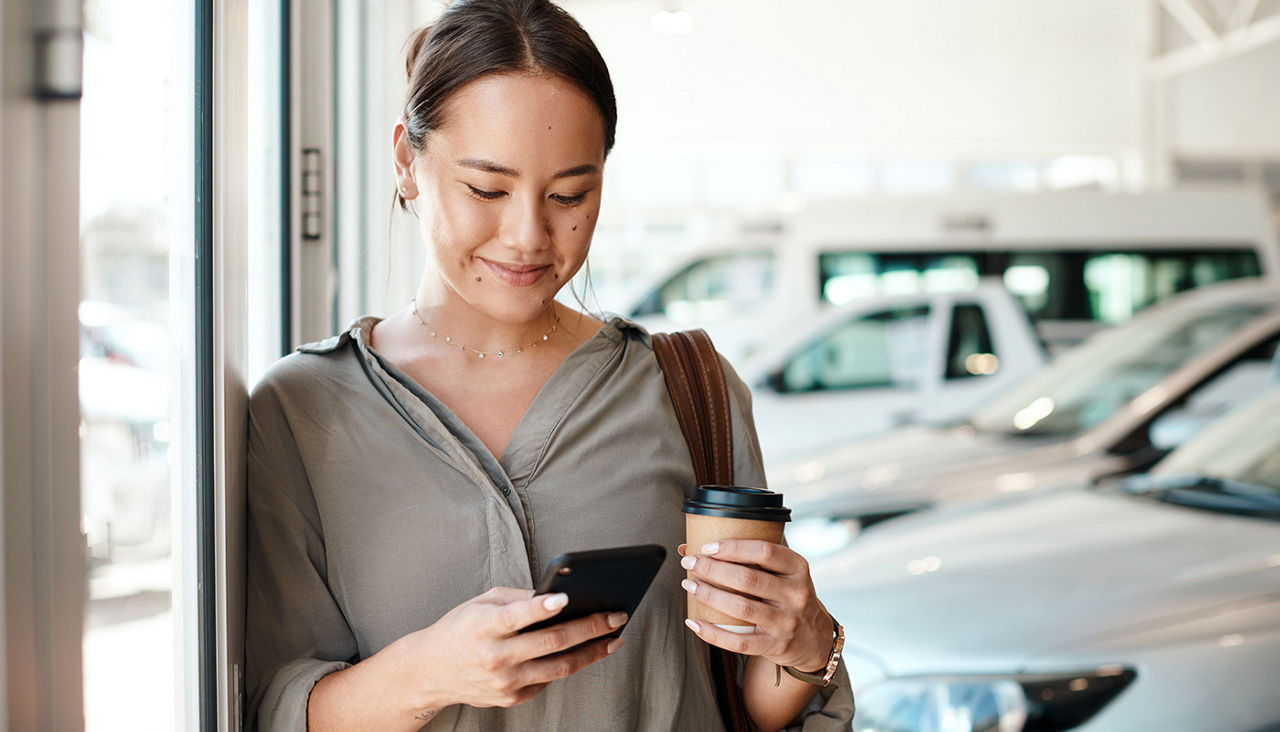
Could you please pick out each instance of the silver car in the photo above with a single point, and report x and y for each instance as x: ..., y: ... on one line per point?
x: 1113, y: 405
x: 1151, y: 603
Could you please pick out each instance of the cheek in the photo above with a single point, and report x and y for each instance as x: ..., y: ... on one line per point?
x: 455, y: 227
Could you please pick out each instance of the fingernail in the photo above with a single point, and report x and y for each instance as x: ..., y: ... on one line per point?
x: 693, y: 624
x: 617, y: 619
x: 711, y: 548
x: 688, y: 562
x: 556, y: 601
x: 614, y: 645
x: 689, y: 586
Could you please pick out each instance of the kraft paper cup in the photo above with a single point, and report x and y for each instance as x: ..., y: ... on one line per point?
x: 730, y: 512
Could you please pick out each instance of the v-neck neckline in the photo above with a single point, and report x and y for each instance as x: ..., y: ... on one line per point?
x: 528, y: 441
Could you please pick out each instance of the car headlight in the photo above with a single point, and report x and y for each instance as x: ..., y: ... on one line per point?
x: 1014, y: 703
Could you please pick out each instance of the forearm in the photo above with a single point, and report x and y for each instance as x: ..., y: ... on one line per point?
x: 375, y: 694
x: 772, y: 707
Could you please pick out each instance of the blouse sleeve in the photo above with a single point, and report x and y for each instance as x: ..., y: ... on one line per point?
x: 832, y: 708
x: 295, y: 632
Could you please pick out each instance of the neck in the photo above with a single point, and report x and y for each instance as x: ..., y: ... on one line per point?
x: 476, y: 335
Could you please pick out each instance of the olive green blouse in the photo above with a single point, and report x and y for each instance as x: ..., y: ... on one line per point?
x: 373, y: 511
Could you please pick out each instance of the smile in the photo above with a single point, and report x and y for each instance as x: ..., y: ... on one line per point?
x: 518, y: 275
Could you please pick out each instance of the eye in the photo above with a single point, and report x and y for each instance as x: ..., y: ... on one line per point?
x: 485, y: 195
x: 569, y: 200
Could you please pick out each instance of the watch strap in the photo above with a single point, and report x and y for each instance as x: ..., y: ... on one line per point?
x: 823, y: 677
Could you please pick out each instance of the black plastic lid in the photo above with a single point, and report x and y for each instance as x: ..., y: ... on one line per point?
x: 731, y: 501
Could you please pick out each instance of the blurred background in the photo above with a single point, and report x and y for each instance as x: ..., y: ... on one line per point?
x: 988, y: 266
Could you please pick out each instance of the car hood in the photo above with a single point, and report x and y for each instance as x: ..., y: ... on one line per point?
x: 890, y: 472
x: 988, y: 587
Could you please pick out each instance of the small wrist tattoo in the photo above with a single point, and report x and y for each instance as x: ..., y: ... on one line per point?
x: 426, y: 716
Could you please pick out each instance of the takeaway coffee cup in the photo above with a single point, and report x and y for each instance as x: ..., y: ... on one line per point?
x: 730, y: 512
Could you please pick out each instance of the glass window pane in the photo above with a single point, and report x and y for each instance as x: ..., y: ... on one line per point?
x: 715, y: 287
x: 969, y: 351
x: 849, y: 275
x: 133, y: 118
x: 884, y: 349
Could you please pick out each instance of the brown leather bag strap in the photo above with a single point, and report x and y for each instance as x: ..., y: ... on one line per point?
x: 696, y: 384
x: 695, y: 381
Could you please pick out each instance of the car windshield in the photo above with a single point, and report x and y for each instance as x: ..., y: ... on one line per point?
x: 1088, y: 384
x: 1244, y: 447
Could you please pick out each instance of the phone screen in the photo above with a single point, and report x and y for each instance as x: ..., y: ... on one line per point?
x: 602, y: 580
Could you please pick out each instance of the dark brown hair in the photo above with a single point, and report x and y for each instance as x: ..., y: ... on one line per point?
x: 475, y: 38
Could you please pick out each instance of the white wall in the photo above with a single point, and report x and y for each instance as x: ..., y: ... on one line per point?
x: 1230, y: 109
x: 878, y: 76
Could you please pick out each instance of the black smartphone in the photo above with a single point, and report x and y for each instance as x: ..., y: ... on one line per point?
x: 601, y: 580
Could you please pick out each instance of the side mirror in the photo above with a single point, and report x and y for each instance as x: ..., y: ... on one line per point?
x: 777, y: 381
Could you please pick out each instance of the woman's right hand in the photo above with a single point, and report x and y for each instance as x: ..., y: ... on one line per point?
x: 476, y: 654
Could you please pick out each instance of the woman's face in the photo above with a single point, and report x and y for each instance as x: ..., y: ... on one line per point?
x: 508, y: 191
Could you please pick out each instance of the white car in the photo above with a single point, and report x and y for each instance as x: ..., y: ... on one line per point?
x: 866, y: 368
x: 1151, y: 603
x: 1114, y: 404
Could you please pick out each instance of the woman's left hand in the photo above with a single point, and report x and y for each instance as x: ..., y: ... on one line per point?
x: 766, y: 585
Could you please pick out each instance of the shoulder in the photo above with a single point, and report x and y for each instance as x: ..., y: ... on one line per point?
x: 739, y: 393
x: 312, y: 365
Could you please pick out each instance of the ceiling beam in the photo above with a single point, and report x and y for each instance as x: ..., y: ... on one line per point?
x: 1242, y: 14
x: 1257, y: 34
x: 1193, y: 21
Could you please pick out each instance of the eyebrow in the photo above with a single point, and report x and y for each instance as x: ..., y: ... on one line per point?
x: 489, y: 166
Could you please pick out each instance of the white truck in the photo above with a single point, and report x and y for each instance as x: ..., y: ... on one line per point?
x: 850, y: 372
x: 1075, y: 260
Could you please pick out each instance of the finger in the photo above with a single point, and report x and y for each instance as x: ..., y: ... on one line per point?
x: 743, y: 579
x: 682, y: 549
x: 499, y: 595
x: 764, y: 554
x: 752, y: 611
x: 563, y: 636
x: 748, y: 644
x: 526, y: 610
x: 562, y: 665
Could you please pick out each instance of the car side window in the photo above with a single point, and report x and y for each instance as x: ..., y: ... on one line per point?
x: 888, y: 348
x: 713, y: 287
x: 1241, y: 381
x: 969, y: 350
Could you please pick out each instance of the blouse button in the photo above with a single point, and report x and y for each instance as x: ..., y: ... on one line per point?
x: 505, y: 490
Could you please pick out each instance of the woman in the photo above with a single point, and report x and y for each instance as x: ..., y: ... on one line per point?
x: 409, y: 478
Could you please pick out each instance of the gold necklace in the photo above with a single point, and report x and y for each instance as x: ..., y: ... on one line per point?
x: 555, y: 325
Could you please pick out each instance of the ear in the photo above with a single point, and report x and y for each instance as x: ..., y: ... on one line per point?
x: 403, y: 157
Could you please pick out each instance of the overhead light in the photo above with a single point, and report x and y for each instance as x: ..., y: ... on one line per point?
x: 672, y: 22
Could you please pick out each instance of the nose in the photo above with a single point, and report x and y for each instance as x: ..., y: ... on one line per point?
x: 525, y: 225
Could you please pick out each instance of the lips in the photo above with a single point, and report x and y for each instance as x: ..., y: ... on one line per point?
x: 518, y: 275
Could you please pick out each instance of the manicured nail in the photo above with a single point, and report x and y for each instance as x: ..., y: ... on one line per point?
x: 711, y: 548
x: 693, y: 624
x: 688, y: 562
x: 617, y: 619
x: 556, y: 601
x: 614, y: 645
x: 689, y: 586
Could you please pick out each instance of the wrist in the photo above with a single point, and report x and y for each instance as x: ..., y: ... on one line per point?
x: 420, y: 695
x: 816, y: 663
x: 823, y: 676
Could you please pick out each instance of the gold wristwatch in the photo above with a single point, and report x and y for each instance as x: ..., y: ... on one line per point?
x: 823, y: 677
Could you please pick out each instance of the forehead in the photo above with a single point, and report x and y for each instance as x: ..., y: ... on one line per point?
x: 523, y: 120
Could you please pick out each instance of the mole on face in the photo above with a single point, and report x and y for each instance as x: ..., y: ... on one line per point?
x: 575, y: 227
x: 477, y: 279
